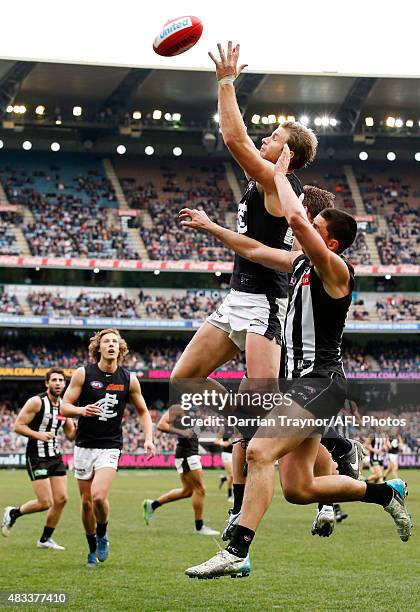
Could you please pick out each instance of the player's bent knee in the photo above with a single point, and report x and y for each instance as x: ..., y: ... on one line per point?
x: 258, y: 454
x: 99, y: 497
x: 61, y: 500
x: 295, y: 495
x: 46, y: 503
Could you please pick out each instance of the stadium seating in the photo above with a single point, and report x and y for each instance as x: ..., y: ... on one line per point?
x: 70, y: 204
x: 177, y: 304
x: 160, y: 190
x: 394, y: 196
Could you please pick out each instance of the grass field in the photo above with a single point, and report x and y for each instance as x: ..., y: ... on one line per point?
x: 363, y: 566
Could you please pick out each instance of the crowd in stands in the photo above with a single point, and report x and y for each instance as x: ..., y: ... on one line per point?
x: 8, y: 242
x: 74, y: 217
x: 377, y: 356
x: 70, y: 220
x: 395, y: 308
x: 179, y: 307
x: 393, y: 199
x: 9, y: 304
x: 187, y: 306
x: 358, y: 253
x: 11, y: 356
x: 71, y: 351
x: 84, y: 305
x: 166, y: 239
x: 398, y: 308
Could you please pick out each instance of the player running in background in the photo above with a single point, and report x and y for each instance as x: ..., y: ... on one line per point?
x: 97, y: 395
x: 394, y: 444
x: 321, y: 285
x: 188, y: 466
x: 225, y: 437
x: 377, y: 445
x: 40, y: 421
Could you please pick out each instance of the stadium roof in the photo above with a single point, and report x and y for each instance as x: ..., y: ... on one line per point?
x: 195, y: 92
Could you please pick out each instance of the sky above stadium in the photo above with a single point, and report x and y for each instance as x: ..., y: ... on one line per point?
x: 362, y: 37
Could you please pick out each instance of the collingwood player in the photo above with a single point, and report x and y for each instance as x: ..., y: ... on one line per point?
x: 377, y: 445
x: 188, y: 466
x: 321, y: 285
x: 40, y: 421
x: 97, y: 395
x: 251, y: 317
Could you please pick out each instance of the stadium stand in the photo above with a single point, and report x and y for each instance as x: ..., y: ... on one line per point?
x: 159, y: 191
x: 395, y: 199
x: 70, y: 204
x: 174, y: 304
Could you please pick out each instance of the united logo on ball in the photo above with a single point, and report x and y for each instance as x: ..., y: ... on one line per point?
x: 178, y: 35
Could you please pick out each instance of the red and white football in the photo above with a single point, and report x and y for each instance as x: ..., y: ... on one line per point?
x: 178, y: 35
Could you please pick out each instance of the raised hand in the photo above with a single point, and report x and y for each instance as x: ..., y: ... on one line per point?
x: 227, y: 66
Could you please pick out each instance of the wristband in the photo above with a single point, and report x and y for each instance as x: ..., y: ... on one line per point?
x: 229, y: 79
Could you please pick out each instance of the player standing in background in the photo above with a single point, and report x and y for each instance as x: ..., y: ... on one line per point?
x: 188, y: 466
x: 97, y: 394
x: 251, y: 317
x: 394, y: 444
x: 40, y: 421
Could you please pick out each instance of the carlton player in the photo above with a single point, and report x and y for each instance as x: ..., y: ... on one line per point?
x: 40, y: 420
x: 101, y: 391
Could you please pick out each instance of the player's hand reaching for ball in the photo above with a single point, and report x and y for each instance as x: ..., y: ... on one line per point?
x: 197, y: 219
x: 91, y: 410
x: 282, y: 164
x: 227, y: 66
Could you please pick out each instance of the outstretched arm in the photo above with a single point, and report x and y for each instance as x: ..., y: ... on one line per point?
x: 231, y: 123
x: 246, y: 247
x: 331, y: 269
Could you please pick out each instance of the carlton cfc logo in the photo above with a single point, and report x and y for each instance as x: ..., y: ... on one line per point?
x: 96, y: 384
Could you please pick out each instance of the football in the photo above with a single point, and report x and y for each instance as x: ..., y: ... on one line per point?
x: 178, y: 35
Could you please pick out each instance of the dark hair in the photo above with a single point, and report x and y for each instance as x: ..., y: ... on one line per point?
x: 303, y: 142
x: 317, y: 199
x: 52, y: 371
x: 341, y: 226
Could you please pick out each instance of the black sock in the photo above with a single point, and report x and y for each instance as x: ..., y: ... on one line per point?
x: 198, y: 524
x: 91, y: 538
x: 229, y: 492
x: 241, y: 541
x: 155, y: 504
x: 101, y: 529
x: 336, y: 444
x: 47, y: 533
x: 15, y: 513
x: 378, y: 494
x: 238, y: 497
x: 223, y: 478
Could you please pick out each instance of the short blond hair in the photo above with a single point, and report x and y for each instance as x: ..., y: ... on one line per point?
x: 95, y: 341
x: 303, y: 142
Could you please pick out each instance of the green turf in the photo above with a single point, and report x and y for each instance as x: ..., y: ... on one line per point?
x: 364, y: 566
